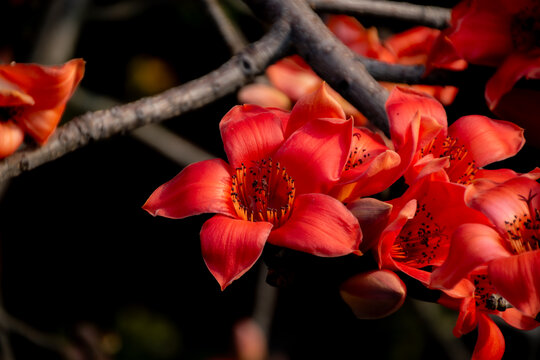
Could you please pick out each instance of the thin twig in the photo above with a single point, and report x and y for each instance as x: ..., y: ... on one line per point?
x: 193, y: 95
x: 233, y: 37
x: 329, y: 57
x: 432, y: 16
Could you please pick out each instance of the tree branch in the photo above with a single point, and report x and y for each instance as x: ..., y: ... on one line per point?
x: 233, y: 37
x: 102, y: 124
x: 431, y: 16
x: 329, y: 57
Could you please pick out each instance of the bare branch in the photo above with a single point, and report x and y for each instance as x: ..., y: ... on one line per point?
x: 328, y: 56
x: 98, y: 125
x: 233, y: 37
x: 432, y: 16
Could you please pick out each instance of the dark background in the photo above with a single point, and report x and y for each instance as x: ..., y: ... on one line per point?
x: 79, y: 255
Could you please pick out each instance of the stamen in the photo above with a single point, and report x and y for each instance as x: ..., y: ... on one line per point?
x: 486, y: 296
x: 460, y: 172
x: 358, y: 154
x: 523, y: 232
x: 263, y: 192
x: 419, y: 242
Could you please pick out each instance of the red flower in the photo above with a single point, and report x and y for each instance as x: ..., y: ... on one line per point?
x: 510, y: 250
x: 457, y: 153
x: 32, y: 100
x: 273, y: 188
x: 421, y: 225
x: 503, y: 34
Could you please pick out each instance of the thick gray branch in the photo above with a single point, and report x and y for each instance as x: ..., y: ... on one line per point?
x: 330, y: 59
x: 432, y: 16
x: 193, y: 95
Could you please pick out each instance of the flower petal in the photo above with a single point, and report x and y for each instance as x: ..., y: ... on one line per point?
x: 294, y: 77
x: 318, y: 104
x: 481, y: 33
x: 319, y: 225
x: 514, y: 67
x: 250, y: 133
x: 316, y: 153
x: 11, y: 137
x: 403, y: 104
x: 372, y: 215
x: 263, y: 95
x: 516, y: 278
x: 50, y: 87
x: 230, y: 247
x: 472, y: 245
x: 202, y: 187
x: 490, y: 342
x: 487, y: 140
x: 374, y: 294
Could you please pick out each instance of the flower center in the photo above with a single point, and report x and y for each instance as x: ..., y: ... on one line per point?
x: 524, y: 231
x: 263, y: 192
x: 525, y: 28
x: 421, y: 242
x: 358, y: 154
x: 462, y: 168
x: 486, y: 296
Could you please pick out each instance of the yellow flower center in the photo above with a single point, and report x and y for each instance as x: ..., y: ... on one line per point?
x: 524, y: 231
x: 263, y: 192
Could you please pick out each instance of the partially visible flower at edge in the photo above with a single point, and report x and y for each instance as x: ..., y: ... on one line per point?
x: 32, y: 100
x: 502, y: 34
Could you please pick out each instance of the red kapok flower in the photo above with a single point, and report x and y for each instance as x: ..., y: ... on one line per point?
x: 511, y: 250
x: 503, y: 34
x: 32, y: 100
x: 421, y: 225
x: 272, y: 190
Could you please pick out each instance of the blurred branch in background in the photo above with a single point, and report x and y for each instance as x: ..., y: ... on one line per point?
x: 432, y: 16
x: 193, y: 95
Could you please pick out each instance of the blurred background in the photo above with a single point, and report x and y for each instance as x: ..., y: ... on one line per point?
x: 81, y: 262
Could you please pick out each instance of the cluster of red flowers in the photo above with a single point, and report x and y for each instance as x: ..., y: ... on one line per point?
x: 32, y: 100
x: 302, y: 180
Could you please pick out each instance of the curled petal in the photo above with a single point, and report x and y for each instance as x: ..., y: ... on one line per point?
x: 472, y: 245
x: 319, y: 225
x: 315, y: 105
x: 316, y: 153
x: 50, y: 87
x: 515, y: 318
x: 490, y: 342
x: 516, y: 278
x: 402, y: 106
x: 250, y: 133
x: 374, y: 294
x: 203, y: 187
x: 11, y: 137
x: 514, y: 67
x: 487, y: 140
x: 230, y: 247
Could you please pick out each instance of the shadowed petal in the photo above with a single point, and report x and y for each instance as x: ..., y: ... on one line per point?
x: 374, y: 294
x: 203, y: 187
x: 514, y: 67
x: 230, y: 247
x: 319, y: 225
x: 490, y: 342
x: 516, y: 278
x: 472, y: 245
